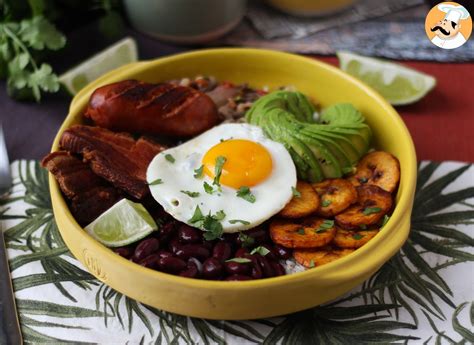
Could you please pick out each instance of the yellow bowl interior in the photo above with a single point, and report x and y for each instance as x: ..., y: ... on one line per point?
x: 265, y: 297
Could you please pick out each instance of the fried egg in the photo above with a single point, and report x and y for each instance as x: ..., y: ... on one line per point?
x: 232, y: 170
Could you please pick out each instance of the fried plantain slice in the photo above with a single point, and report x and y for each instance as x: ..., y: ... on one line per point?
x: 336, y: 195
x: 317, y: 257
x: 302, y: 205
x: 373, y: 203
x: 311, y: 232
x: 353, y: 239
x: 377, y: 168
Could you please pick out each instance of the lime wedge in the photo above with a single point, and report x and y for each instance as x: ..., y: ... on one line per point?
x: 398, y: 84
x: 122, y: 224
x: 118, y: 54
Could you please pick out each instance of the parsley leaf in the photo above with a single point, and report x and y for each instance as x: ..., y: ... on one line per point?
x: 385, y: 220
x: 220, y: 161
x: 246, y: 240
x: 208, y: 188
x: 239, y: 260
x: 170, y: 158
x: 326, y: 203
x: 357, y: 236
x: 295, y: 192
x: 371, y: 210
x: 191, y: 194
x: 245, y: 193
x: 39, y: 33
x: 155, y: 182
x: 235, y: 221
x: 260, y: 250
x: 199, y: 172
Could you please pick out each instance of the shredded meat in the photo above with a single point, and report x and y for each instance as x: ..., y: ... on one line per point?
x: 116, y: 157
x: 88, y: 195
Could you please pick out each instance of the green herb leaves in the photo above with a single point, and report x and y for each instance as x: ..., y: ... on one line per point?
x: 239, y: 260
x: 156, y: 182
x: 357, y: 236
x: 211, y: 224
x: 19, y: 44
x: 191, y: 194
x: 235, y: 221
x: 245, y: 193
x: 170, y: 158
x: 198, y: 173
x: 371, y: 210
x: 326, y: 203
x: 260, y: 250
x: 220, y: 161
x: 246, y: 240
x: 208, y: 188
x: 325, y: 226
x: 295, y: 192
x: 300, y: 231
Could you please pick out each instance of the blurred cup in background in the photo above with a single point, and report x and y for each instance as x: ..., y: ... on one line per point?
x: 185, y: 21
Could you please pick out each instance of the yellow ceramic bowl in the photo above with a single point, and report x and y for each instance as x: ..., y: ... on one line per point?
x: 264, y: 297
x: 308, y: 8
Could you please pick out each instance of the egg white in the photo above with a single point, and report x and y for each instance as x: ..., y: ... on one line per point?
x: 271, y: 195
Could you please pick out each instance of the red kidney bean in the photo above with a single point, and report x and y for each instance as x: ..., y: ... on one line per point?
x: 282, y: 252
x: 238, y: 277
x: 222, y: 251
x: 171, y: 264
x: 125, y: 252
x: 191, y: 270
x: 256, y: 270
x: 212, y: 268
x: 167, y: 231
x: 233, y: 267
x: 267, y: 269
x: 241, y: 252
x: 259, y: 234
x: 197, y: 251
x: 173, y: 245
x: 164, y: 254
x: 151, y: 261
x: 145, y: 248
x: 208, y: 244
x: 187, y: 234
x: 278, y: 268
x: 231, y: 238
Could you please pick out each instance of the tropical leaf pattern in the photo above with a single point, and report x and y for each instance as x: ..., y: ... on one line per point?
x: 424, y: 294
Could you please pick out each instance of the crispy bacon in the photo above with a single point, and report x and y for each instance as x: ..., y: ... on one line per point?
x: 116, y: 157
x: 88, y: 195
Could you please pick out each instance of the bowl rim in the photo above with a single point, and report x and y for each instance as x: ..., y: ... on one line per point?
x: 340, y: 267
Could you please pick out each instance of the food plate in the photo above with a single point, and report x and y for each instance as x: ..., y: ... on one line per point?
x: 264, y: 297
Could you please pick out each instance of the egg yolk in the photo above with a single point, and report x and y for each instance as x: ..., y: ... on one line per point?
x: 247, y: 163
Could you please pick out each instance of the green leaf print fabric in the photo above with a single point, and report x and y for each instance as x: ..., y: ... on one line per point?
x: 424, y: 294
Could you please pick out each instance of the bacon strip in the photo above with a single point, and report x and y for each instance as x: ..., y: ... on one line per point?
x: 116, y: 157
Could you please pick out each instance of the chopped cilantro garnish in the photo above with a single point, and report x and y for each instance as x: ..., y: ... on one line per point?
x: 239, y: 260
x: 155, y: 182
x: 371, y: 210
x: 246, y: 240
x: 385, y: 220
x: 326, y: 203
x: 198, y: 172
x: 311, y: 263
x: 325, y: 225
x: 197, y: 216
x: 295, y: 192
x: 169, y: 158
x: 235, y: 221
x: 210, y: 223
x: 300, y: 231
x: 208, y: 188
x: 320, y: 231
x: 220, y: 161
x: 245, y: 193
x: 260, y: 250
x: 220, y: 215
x: 357, y: 236
x: 191, y: 194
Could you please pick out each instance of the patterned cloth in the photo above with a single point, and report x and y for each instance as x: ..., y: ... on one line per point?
x: 424, y: 294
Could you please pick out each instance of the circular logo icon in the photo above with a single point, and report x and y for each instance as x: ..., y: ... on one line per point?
x: 448, y: 25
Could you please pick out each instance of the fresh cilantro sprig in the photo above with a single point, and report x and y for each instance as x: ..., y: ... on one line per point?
x: 326, y: 203
x: 260, y: 250
x: 199, y: 172
x: 296, y: 192
x: 20, y: 44
x: 211, y: 224
x: 235, y: 221
x: 191, y: 194
x: 220, y: 161
x: 245, y: 193
x: 246, y: 240
x: 371, y: 210
x: 325, y: 226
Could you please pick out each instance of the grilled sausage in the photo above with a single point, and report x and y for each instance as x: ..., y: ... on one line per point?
x: 140, y: 107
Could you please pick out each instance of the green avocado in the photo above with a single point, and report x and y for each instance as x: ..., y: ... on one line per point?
x: 326, y: 148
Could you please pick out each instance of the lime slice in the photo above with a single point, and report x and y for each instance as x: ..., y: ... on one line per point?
x: 118, y: 54
x: 398, y: 84
x: 122, y: 224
